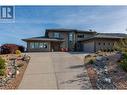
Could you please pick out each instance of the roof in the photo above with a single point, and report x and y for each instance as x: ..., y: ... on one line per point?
x: 106, y: 36
x: 41, y: 38
x: 71, y: 30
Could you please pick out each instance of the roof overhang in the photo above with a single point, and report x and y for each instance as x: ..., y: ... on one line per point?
x: 43, y: 40
x: 93, y: 38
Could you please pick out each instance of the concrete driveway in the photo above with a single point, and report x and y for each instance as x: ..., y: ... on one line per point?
x: 55, y: 70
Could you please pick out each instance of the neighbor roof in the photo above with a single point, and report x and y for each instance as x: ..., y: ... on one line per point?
x: 42, y: 38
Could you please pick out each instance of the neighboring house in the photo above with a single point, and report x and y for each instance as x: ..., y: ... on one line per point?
x: 72, y: 40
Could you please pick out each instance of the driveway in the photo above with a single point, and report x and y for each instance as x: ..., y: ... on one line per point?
x: 56, y: 70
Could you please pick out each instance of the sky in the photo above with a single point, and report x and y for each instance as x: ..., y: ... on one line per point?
x: 32, y: 21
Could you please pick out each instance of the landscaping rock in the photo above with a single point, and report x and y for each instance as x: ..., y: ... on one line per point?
x: 99, y: 58
x: 104, y: 81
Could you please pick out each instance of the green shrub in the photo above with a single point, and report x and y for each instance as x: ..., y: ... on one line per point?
x: 2, y: 72
x: 2, y: 63
x: 91, y: 61
x: 123, y: 62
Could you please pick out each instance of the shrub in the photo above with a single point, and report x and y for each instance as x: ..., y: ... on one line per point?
x: 2, y: 72
x: 91, y: 61
x: 123, y: 62
x: 2, y: 63
x: 18, y: 52
x: 105, y: 50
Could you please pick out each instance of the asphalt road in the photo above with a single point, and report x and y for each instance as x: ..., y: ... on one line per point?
x: 56, y: 70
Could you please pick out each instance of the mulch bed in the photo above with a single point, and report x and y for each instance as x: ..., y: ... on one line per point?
x: 119, y: 76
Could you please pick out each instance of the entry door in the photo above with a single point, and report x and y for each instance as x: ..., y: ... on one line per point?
x: 55, y: 46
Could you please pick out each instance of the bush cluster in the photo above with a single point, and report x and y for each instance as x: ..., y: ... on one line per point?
x: 123, y: 62
x: 2, y: 67
x: 91, y: 61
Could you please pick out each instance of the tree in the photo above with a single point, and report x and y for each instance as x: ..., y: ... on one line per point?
x: 121, y: 45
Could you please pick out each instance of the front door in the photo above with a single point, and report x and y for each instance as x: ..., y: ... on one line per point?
x: 55, y: 46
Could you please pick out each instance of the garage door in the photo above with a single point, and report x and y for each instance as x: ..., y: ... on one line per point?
x: 88, y: 46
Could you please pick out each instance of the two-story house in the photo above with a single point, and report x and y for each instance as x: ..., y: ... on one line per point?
x: 72, y: 40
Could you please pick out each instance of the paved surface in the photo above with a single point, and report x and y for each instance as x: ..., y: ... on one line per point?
x: 56, y: 70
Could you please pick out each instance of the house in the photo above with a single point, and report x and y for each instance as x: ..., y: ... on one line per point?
x: 72, y: 40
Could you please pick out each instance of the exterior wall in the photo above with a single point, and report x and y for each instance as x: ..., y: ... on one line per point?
x: 38, y: 49
x: 98, y: 44
x: 70, y: 45
x: 104, y: 44
x: 88, y: 46
x: 63, y: 35
x: 86, y: 35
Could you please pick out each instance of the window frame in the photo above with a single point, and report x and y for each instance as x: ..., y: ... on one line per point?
x: 80, y: 36
x: 56, y: 35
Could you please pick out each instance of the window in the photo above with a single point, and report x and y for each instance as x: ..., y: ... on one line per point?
x: 70, y: 37
x: 32, y: 45
x: 108, y: 43
x: 80, y: 36
x: 38, y: 45
x: 45, y: 45
x: 41, y: 45
x: 56, y: 35
x: 103, y: 43
x: 99, y: 43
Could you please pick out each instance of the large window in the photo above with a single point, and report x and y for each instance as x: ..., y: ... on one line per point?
x: 70, y: 37
x: 38, y: 45
x: 32, y: 45
x: 56, y: 35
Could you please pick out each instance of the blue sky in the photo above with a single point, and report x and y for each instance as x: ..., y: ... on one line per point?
x: 31, y: 21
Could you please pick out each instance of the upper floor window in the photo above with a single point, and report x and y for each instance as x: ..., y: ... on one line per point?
x: 56, y: 35
x: 80, y: 36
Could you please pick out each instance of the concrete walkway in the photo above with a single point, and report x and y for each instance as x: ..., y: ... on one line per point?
x: 55, y: 70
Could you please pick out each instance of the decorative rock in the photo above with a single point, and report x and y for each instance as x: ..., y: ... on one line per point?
x: 99, y: 58
x: 108, y: 80
x: 104, y: 80
x: 17, y: 72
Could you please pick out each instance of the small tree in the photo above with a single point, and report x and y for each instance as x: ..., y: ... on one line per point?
x: 121, y: 45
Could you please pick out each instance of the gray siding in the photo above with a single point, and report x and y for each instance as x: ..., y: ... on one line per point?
x: 104, y: 44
